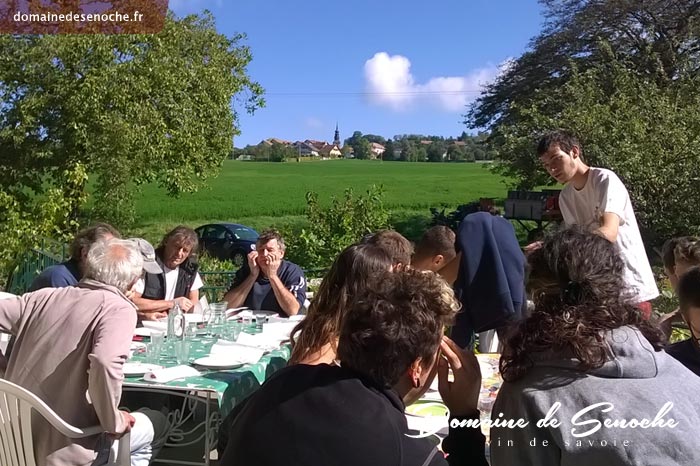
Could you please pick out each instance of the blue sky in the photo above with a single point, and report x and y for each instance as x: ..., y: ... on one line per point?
x: 384, y: 67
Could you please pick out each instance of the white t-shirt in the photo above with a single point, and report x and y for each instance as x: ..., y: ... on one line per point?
x: 170, y: 282
x: 604, y: 192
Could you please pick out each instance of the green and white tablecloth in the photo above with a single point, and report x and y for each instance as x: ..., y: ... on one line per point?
x: 231, y: 386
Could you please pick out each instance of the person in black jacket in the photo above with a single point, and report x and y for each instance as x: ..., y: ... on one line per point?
x: 179, y: 282
x: 688, y: 351
x: 352, y: 413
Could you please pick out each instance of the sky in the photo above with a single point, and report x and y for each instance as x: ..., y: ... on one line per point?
x: 383, y: 67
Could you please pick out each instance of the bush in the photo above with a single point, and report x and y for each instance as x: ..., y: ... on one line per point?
x: 336, y: 227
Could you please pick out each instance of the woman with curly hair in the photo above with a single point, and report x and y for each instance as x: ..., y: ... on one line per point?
x: 587, y: 359
x: 315, y: 338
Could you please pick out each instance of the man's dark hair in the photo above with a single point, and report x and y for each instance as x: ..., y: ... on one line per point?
x: 687, y: 250
x: 439, y: 239
x: 566, y: 141
x: 268, y: 235
x: 399, y: 318
x: 667, y: 253
x: 399, y: 248
x: 88, y: 236
x: 182, y: 235
x: 689, y: 289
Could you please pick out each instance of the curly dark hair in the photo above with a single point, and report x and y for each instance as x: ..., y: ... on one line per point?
x: 577, y: 283
x: 400, y: 318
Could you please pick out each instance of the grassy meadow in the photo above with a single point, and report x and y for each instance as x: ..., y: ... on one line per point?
x: 264, y: 195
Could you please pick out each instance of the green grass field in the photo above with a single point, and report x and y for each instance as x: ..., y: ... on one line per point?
x: 273, y: 194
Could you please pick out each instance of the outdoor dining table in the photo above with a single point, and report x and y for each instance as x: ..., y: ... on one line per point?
x: 202, y: 400
x: 428, y: 416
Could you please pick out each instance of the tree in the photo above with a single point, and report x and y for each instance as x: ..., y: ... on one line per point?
x: 388, y: 150
x: 659, y: 39
x: 281, y: 152
x: 123, y: 109
x: 436, y: 150
x: 648, y: 133
x: 362, y: 149
x: 456, y: 153
x: 375, y: 138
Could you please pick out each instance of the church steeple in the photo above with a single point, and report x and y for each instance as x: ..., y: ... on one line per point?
x: 336, y: 138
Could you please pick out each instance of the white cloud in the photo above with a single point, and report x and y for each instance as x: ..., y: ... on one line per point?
x: 390, y: 83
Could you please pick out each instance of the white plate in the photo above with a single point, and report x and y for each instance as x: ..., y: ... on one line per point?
x: 142, y: 332
x: 156, y: 325
x: 133, y: 369
x: 194, y: 318
x: 218, y: 362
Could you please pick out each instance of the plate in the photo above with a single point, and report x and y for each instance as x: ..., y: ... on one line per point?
x: 142, y: 332
x: 138, y: 369
x: 194, y: 318
x: 218, y: 362
x: 156, y: 325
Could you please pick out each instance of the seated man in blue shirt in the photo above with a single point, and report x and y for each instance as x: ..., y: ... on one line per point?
x: 267, y: 281
x: 70, y: 272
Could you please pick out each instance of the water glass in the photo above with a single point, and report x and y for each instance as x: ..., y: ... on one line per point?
x: 232, y: 330
x: 235, y: 330
x: 152, y: 355
x: 191, y: 331
x: 157, y: 340
x: 259, y: 321
x: 182, y: 351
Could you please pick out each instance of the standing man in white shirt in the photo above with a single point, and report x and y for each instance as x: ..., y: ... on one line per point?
x: 595, y: 198
x: 156, y: 294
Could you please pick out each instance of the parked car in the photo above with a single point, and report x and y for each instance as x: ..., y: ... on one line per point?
x: 227, y: 241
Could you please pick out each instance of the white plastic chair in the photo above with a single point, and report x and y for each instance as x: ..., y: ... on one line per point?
x: 16, y: 444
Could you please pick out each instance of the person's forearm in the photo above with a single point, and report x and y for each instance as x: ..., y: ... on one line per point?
x: 465, y: 445
x: 236, y: 297
x: 152, y: 305
x: 287, y: 301
x: 607, y: 233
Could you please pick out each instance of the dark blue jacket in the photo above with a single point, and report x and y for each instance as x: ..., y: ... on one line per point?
x: 491, y: 279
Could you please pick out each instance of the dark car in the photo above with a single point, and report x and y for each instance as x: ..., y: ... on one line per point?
x: 227, y: 241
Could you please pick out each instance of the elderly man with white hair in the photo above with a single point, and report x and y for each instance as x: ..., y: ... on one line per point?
x: 71, y: 346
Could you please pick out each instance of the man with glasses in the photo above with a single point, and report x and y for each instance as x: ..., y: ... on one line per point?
x: 688, y: 351
x: 267, y: 281
x: 596, y: 199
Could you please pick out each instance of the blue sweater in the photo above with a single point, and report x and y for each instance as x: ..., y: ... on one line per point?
x: 491, y: 279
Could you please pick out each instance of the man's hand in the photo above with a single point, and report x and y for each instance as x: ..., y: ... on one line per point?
x: 253, y: 263
x: 273, y: 262
x: 152, y: 315
x: 532, y: 247
x: 462, y: 395
x: 184, y: 303
x: 130, y: 421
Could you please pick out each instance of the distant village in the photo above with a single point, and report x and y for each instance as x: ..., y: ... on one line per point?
x: 409, y: 147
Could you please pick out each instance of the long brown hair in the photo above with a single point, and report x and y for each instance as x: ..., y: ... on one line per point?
x: 346, y: 279
x: 577, y: 282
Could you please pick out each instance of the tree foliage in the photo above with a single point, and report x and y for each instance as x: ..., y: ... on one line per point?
x: 123, y: 109
x: 647, y: 133
x: 623, y: 76
x: 336, y: 227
